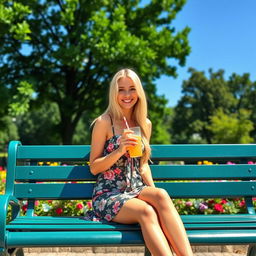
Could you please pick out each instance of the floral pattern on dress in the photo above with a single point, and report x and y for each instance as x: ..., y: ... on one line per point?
x: 117, y: 185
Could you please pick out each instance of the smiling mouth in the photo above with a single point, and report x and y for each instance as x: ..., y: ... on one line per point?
x: 127, y: 101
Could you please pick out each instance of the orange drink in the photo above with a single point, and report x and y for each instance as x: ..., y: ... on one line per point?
x: 135, y: 151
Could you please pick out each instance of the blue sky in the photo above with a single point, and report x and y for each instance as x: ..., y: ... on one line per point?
x: 223, y: 36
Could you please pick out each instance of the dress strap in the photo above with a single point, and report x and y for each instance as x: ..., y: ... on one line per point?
x: 112, y: 125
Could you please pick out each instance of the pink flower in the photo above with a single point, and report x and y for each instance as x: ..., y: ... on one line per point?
x: 230, y: 162
x: 218, y: 208
x: 250, y: 162
x: 59, y: 211
x: 242, y: 203
x: 108, y: 217
x: 116, y: 207
x: 109, y: 175
x: 89, y: 204
x: 36, y: 203
x: 189, y: 204
x: 110, y: 147
x: 79, y: 206
x: 117, y: 171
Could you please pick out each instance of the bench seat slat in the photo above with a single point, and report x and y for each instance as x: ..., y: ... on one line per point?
x: 175, y: 190
x: 213, y: 218
x: 100, y: 226
x: 107, y: 238
x: 77, y: 238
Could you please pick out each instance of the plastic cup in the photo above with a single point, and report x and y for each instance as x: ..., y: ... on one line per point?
x: 136, y: 150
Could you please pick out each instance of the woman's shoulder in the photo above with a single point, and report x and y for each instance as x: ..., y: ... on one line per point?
x: 102, y: 121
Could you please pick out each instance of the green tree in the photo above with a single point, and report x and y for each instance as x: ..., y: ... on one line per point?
x: 73, y: 47
x: 202, y: 95
x: 244, y: 91
x: 233, y: 128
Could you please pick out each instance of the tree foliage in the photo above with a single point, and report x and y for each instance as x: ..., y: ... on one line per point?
x: 68, y: 51
x: 209, y: 103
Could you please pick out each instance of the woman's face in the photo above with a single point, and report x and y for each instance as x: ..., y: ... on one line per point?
x: 127, y: 94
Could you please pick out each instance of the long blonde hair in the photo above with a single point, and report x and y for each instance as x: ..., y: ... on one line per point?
x: 140, y: 110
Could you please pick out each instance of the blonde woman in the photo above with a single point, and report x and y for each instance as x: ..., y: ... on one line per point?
x: 123, y: 198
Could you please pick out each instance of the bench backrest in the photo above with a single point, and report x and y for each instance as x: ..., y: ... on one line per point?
x: 28, y: 179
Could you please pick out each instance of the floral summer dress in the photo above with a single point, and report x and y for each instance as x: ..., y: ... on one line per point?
x: 118, y: 184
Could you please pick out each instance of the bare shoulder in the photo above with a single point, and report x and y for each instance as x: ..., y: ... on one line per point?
x: 102, y: 122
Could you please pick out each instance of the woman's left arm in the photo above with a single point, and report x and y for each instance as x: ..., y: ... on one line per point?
x: 145, y: 169
x: 147, y: 175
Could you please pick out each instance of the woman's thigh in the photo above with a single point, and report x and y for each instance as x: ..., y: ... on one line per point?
x: 131, y: 211
x: 156, y: 197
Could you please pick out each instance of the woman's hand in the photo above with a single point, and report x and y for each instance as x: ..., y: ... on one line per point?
x: 126, y: 141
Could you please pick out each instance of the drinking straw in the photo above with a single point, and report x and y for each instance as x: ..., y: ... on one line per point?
x: 126, y: 123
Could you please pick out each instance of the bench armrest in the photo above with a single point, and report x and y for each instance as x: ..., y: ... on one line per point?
x: 5, y: 201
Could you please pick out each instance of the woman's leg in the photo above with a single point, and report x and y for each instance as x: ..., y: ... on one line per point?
x: 138, y: 211
x: 170, y: 220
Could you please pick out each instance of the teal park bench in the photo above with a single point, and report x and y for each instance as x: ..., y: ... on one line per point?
x: 26, y: 180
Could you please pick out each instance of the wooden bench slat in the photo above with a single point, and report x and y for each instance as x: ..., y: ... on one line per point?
x: 173, y: 172
x: 101, y: 226
x: 203, y: 172
x: 208, y: 189
x: 42, y: 173
x: 175, y: 189
x: 54, y: 191
x: 203, y: 151
x: 201, y: 219
x: 160, y: 152
x: 54, y: 152
x: 77, y: 238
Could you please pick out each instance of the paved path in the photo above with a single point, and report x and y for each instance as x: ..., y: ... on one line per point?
x: 126, y: 254
x: 123, y: 254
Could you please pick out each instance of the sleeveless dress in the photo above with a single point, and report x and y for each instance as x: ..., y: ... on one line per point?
x: 121, y: 182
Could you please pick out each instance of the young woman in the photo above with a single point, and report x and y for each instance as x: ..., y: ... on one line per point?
x: 119, y: 196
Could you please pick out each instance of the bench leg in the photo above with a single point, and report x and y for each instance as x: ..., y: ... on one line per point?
x: 13, y: 252
x: 251, y: 250
x: 147, y: 252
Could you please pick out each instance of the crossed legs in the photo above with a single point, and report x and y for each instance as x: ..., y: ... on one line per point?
x: 160, y: 223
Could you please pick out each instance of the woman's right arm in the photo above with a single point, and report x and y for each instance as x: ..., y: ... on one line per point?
x: 99, y: 163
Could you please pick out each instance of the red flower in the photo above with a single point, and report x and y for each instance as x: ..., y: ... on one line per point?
x: 79, y: 206
x: 223, y: 201
x: 211, y: 201
x: 117, y: 171
x: 242, y: 203
x: 218, y: 208
x: 59, y: 211
x: 25, y: 207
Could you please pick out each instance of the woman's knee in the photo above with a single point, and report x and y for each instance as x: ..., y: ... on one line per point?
x: 162, y: 198
x: 147, y: 214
